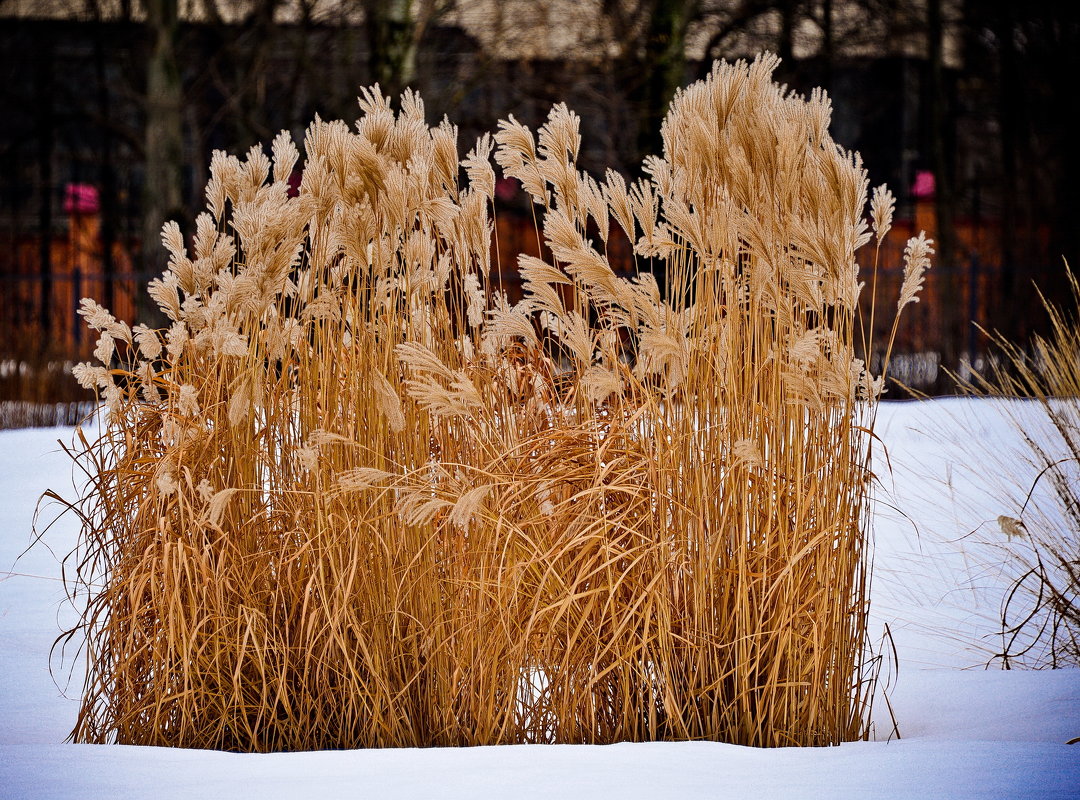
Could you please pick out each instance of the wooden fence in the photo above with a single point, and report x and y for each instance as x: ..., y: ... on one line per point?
x: 38, y: 313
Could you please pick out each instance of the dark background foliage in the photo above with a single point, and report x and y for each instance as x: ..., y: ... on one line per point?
x: 111, y: 109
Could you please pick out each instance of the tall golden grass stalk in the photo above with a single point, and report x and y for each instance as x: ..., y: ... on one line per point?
x: 353, y: 497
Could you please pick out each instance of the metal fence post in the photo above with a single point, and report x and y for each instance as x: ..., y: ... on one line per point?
x: 973, y: 307
x: 76, y: 295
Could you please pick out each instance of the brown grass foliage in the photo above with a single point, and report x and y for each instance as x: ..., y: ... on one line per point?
x: 352, y: 497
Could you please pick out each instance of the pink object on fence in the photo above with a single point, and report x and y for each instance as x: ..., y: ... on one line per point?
x: 506, y: 189
x: 925, y: 186
x: 81, y: 198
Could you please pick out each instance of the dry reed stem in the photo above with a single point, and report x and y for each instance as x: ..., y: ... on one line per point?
x: 352, y: 497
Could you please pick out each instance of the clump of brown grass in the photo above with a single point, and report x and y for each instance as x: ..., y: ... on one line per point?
x: 353, y: 497
x: 1039, y: 387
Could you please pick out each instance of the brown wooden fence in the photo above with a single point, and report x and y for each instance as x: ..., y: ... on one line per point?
x: 37, y: 306
x: 38, y: 313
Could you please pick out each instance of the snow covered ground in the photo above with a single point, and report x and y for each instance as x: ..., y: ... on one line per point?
x: 967, y: 732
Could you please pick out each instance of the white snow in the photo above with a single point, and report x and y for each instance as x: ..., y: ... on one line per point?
x: 967, y: 731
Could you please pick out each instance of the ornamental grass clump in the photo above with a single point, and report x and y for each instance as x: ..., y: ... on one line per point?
x: 354, y: 497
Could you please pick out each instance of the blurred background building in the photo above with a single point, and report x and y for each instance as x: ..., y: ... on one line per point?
x: 110, y: 109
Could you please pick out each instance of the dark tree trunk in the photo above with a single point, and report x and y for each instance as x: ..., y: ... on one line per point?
x: 828, y: 45
x: 162, y: 196
x: 785, y: 47
x: 941, y: 134
x: 107, y: 178
x: 1065, y: 44
x: 942, y: 148
x: 663, y: 70
x: 250, y: 64
x: 44, y: 79
x: 1010, y: 112
x: 392, y: 44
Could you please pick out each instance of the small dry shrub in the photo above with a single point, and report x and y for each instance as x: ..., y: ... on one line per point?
x: 353, y: 497
x: 1039, y: 391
